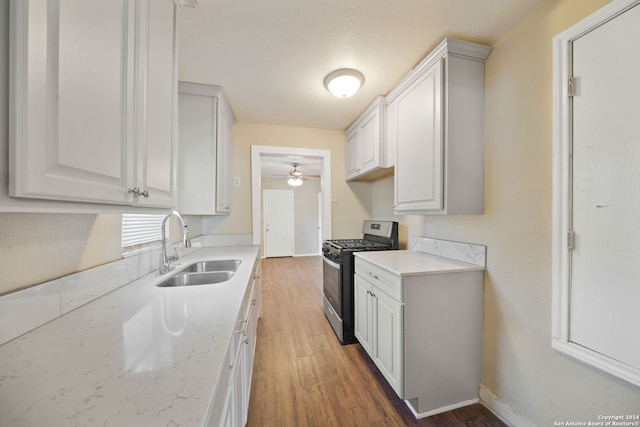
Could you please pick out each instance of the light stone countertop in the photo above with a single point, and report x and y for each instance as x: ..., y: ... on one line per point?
x: 138, y: 356
x: 413, y: 263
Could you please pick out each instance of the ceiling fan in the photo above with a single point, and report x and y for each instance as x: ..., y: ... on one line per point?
x: 295, y: 178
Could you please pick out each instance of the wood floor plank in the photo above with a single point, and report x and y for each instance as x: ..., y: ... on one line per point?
x: 303, y: 376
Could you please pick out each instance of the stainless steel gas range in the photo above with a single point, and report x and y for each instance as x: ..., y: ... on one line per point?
x: 338, y: 269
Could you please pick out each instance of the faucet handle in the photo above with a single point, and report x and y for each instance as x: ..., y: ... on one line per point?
x: 175, y: 255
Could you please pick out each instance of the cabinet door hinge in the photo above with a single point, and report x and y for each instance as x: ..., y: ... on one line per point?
x: 572, y: 87
x: 571, y: 240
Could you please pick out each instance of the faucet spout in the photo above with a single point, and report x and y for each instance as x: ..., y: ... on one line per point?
x: 165, y: 260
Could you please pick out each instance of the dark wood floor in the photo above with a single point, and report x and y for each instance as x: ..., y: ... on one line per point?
x: 303, y: 376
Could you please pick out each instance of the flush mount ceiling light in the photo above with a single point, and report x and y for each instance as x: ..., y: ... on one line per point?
x: 344, y: 82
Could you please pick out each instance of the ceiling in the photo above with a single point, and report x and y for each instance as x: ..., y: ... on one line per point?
x: 271, y: 56
x: 280, y: 166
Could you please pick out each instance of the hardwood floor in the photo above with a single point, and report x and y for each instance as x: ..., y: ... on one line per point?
x: 303, y: 376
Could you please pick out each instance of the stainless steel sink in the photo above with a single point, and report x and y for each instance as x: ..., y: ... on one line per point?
x: 192, y: 279
x: 217, y: 265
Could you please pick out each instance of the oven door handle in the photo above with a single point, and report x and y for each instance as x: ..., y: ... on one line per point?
x: 331, y: 263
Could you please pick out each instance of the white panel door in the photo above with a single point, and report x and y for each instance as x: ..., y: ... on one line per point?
x: 278, y: 223
x: 605, y: 272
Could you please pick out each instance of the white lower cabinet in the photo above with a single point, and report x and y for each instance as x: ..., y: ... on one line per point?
x: 424, y: 334
x: 378, y: 326
x: 230, y: 405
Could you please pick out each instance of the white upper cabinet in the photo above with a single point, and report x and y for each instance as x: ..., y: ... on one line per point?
x: 435, y: 119
x: 367, y: 150
x: 204, y: 133
x: 92, y: 101
x: 156, y: 116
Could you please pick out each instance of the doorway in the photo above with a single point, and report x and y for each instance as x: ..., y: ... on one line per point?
x: 261, y: 154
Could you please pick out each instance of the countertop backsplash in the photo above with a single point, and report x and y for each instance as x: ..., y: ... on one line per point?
x: 459, y: 251
x: 25, y: 310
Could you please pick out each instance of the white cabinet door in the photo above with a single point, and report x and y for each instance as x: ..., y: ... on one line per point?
x: 369, y: 157
x: 364, y: 141
x: 223, y: 160
x: 93, y: 101
x: 387, y: 339
x: 418, y: 172
x: 204, y: 134
x: 379, y: 328
x: 157, y: 91
x: 248, y: 353
x: 72, y: 79
x: 435, y: 119
x: 363, y: 313
x: 353, y: 141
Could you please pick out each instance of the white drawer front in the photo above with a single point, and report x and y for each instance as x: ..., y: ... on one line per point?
x: 382, y: 279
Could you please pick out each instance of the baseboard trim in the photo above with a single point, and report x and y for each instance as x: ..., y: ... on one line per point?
x: 501, y: 409
x: 440, y: 410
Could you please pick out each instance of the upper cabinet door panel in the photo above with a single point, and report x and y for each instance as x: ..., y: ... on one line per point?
x: 71, y: 64
x: 366, y: 151
x: 157, y: 92
x: 352, y: 143
x: 370, y: 143
x: 419, y: 174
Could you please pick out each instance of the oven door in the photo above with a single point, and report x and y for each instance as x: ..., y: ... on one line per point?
x: 332, y: 284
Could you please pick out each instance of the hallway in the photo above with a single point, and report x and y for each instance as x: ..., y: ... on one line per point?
x: 304, y: 377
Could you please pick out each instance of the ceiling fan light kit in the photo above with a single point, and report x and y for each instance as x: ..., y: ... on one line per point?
x: 344, y: 82
x: 294, y: 182
x: 294, y: 176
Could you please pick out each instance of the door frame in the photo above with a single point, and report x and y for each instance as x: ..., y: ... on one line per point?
x: 562, y: 235
x: 259, y: 151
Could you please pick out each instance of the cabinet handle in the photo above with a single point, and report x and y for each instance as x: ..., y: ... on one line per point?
x: 373, y: 275
x: 243, y: 331
x: 137, y: 192
x: 253, y: 302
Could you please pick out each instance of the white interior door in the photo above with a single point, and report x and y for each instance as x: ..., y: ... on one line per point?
x: 605, y: 273
x: 278, y: 223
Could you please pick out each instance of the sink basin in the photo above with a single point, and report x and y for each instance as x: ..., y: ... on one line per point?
x: 217, y: 265
x: 193, y: 279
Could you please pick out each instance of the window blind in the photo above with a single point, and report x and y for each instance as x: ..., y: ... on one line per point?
x: 138, y: 229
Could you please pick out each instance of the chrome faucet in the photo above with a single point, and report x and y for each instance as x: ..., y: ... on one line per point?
x: 165, y: 261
